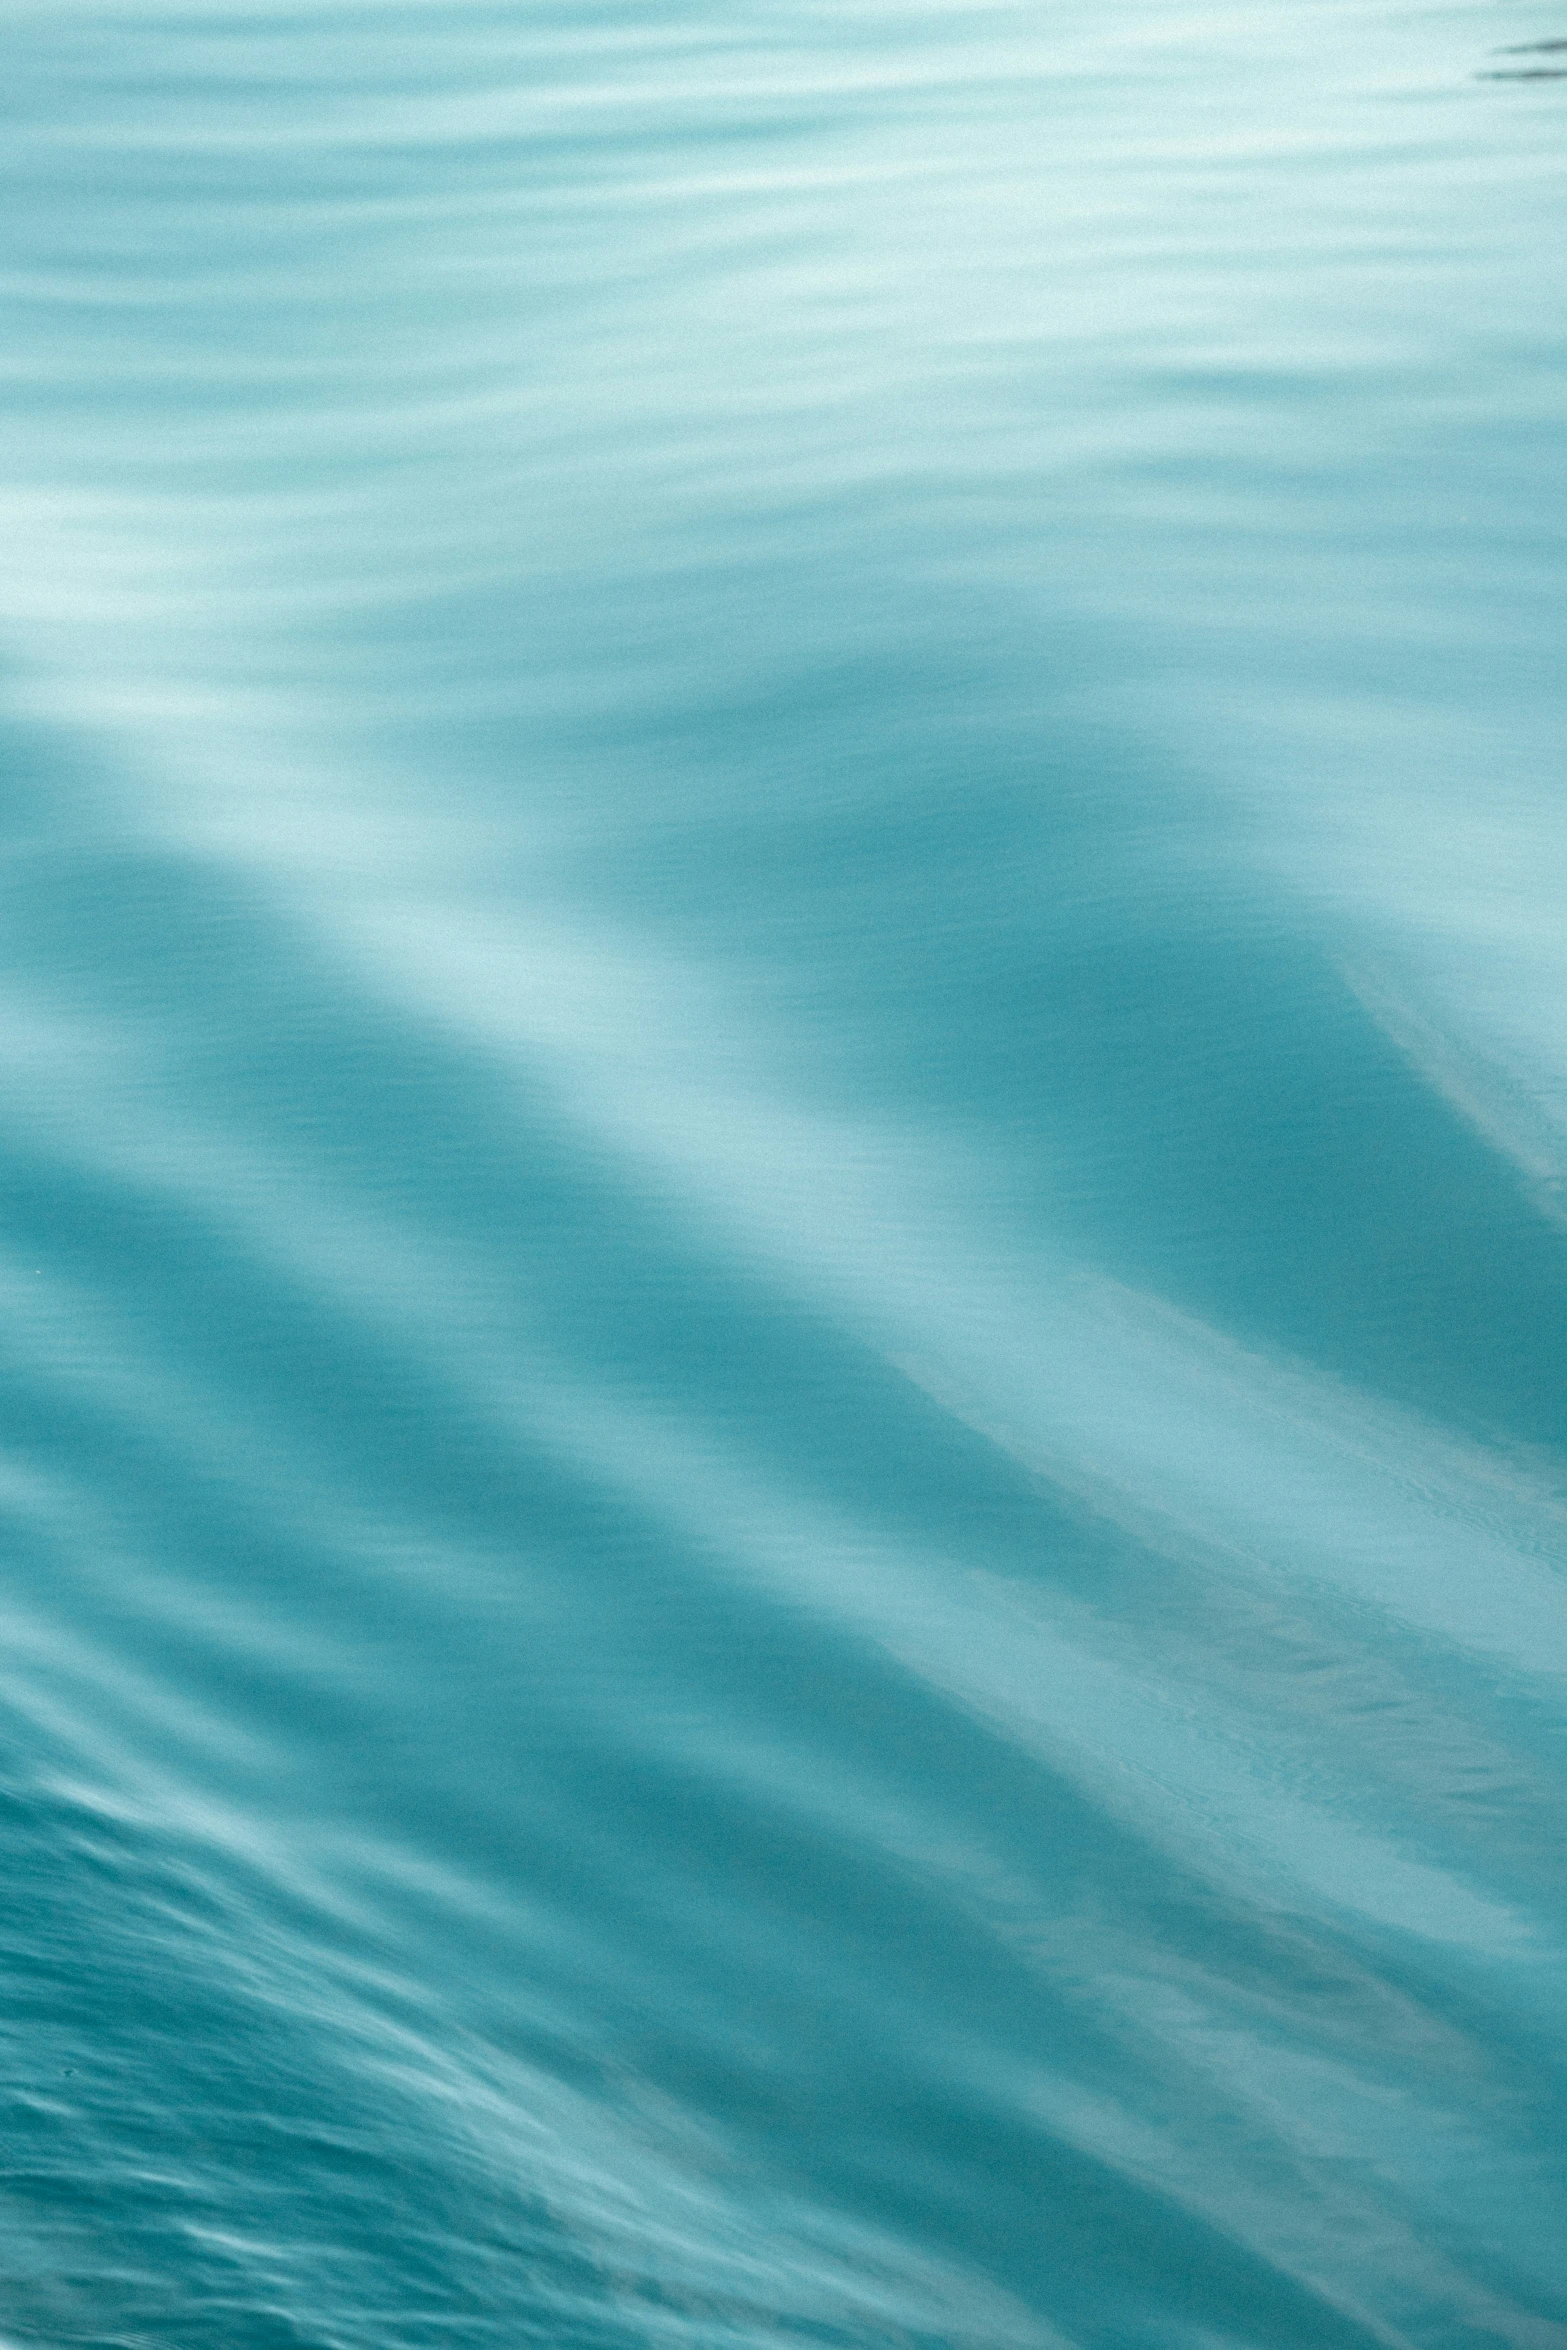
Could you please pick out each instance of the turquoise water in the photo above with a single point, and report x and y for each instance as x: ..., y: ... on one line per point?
x: 784, y: 1146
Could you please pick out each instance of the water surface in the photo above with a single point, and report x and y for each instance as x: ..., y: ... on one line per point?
x: 784, y: 1153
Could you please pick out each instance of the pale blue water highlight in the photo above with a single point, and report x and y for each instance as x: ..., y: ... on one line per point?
x: 784, y: 1140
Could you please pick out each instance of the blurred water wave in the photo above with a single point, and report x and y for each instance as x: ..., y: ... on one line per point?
x: 782, y: 1145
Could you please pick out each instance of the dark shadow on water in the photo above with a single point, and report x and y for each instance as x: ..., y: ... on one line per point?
x: 1527, y: 73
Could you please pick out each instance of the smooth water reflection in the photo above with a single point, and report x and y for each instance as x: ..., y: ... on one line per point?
x: 783, y: 1150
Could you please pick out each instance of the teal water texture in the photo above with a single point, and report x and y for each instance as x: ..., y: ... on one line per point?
x: 784, y: 1160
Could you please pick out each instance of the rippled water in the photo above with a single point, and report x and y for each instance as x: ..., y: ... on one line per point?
x: 785, y: 1172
